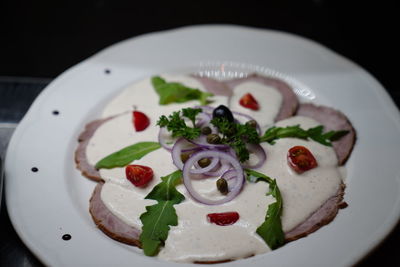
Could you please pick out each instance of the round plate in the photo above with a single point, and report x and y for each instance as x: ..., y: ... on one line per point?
x: 52, y: 200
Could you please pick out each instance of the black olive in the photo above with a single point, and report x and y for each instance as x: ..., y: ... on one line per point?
x: 223, y: 112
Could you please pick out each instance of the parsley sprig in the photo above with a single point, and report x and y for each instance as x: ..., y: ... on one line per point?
x: 176, y: 124
x: 237, y: 135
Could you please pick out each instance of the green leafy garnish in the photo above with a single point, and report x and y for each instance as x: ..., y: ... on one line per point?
x: 126, y: 155
x: 173, y: 92
x: 159, y: 217
x: 177, y: 125
x: 237, y: 135
x: 271, y: 229
x: 295, y: 131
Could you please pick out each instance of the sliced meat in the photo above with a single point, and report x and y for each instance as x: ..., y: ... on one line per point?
x: 324, y: 215
x: 81, y: 160
x: 214, y: 86
x: 110, y: 224
x: 289, y: 98
x: 332, y: 119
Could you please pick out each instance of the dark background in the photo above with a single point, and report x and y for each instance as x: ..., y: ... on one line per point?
x: 43, y: 38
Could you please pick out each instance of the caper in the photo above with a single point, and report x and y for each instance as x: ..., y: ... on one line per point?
x: 184, y: 157
x: 223, y: 112
x: 222, y: 186
x: 213, y: 139
x: 204, y: 162
x: 206, y: 130
x: 252, y: 123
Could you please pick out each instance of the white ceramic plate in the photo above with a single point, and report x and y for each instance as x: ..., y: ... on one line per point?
x: 53, y: 201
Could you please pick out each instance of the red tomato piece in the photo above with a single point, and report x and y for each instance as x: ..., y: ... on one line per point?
x: 225, y: 218
x: 139, y: 175
x: 248, y: 101
x: 301, y: 159
x: 140, y: 121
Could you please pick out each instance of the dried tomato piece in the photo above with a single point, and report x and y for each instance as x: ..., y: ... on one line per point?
x: 140, y: 121
x: 139, y: 175
x: 248, y: 101
x: 225, y: 218
x: 301, y: 159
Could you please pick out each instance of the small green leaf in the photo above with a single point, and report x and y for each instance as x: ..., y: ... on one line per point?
x: 295, y: 131
x: 159, y: 217
x: 126, y: 155
x: 156, y: 221
x: 173, y: 92
x: 271, y: 229
x: 166, y: 191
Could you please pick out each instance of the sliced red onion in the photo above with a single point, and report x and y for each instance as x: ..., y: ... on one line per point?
x: 259, y: 152
x: 203, y: 119
x: 224, y: 166
x: 202, y: 142
x: 177, y: 150
x: 163, y: 136
x: 187, y: 180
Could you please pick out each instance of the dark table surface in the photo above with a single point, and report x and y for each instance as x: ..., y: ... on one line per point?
x: 38, y: 41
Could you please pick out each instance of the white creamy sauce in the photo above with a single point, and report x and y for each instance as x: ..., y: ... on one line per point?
x: 194, y: 238
x: 268, y: 98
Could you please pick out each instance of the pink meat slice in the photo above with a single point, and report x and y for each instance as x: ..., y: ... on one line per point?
x: 214, y: 86
x: 110, y: 224
x: 290, y: 101
x: 81, y: 159
x: 322, y: 216
x: 332, y: 119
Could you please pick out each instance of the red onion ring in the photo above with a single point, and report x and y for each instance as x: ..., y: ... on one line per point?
x: 259, y: 152
x: 177, y: 150
x: 187, y: 180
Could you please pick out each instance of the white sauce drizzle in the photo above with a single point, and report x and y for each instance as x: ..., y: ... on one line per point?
x: 268, y: 98
x: 195, y: 239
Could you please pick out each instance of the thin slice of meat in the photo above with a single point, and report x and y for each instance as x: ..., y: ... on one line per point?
x: 290, y: 102
x: 120, y: 231
x: 110, y: 224
x: 214, y: 86
x: 81, y: 159
x: 324, y: 215
x: 332, y: 119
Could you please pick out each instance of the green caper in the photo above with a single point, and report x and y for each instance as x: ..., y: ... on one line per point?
x: 184, y: 157
x: 204, y: 162
x: 213, y: 139
x: 252, y: 123
x: 222, y: 186
x: 206, y: 130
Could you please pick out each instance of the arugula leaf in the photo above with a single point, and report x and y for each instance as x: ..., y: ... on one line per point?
x: 177, y: 125
x: 173, y: 92
x: 237, y: 135
x: 126, y: 155
x: 159, y: 217
x: 295, y: 131
x: 271, y: 229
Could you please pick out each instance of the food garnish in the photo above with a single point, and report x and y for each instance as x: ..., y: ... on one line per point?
x: 174, y: 92
x: 248, y: 101
x: 159, y: 217
x: 295, y: 131
x: 126, y: 155
x: 139, y: 175
x: 271, y: 229
x: 301, y: 159
x: 224, y: 218
x: 140, y: 121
